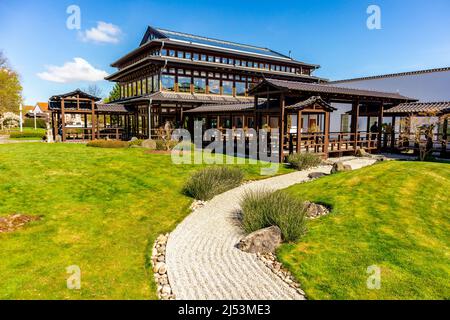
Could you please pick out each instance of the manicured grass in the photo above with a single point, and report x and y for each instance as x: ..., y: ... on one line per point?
x: 393, y: 215
x: 101, y: 209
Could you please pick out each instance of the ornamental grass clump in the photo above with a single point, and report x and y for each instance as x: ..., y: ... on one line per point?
x: 303, y: 161
x: 209, y: 182
x: 108, y: 144
x: 262, y: 209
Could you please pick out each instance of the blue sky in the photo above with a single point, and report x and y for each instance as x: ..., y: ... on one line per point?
x: 414, y: 35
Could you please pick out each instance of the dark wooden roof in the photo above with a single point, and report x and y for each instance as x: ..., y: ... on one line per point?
x: 113, y: 108
x: 393, y: 75
x: 187, y: 97
x: 310, y: 102
x: 284, y: 85
x: 222, y: 108
x: 75, y: 93
x: 435, y: 108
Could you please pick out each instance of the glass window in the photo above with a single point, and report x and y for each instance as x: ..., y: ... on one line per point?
x: 278, y: 68
x: 184, y: 84
x: 230, y: 61
x: 224, y: 76
x: 172, y: 53
x: 272, y: 67
x: 227, y: 87
x: 203, y: 74
x: 130, y: 90
x: 155, y: 83
x: 172, y: 70
x: 139, y: 87
x: 188, y: 72
x: 214, y: 86
x: 240, y: 88
x: 180, y: 54
x: 210, y: 75
x: 187, y: 55
x: 196, y: 73
x: 149, y: 84
x: 283, y: 68
x: 180, y: 71
x: 168, y: 82
x: 237, y: 122
x: 199, y: 85
x: 203, y: 57
x: 134, y: 88
x: 238, y: 62
x: 164, y: 52
x: 249, y: 64
x: 225, y: 60
x: 144, y: 86
x: 266, y: 66
x: 210, y: 59
x: 196, y: 57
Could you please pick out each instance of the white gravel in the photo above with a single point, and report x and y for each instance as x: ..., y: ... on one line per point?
x: 201, y: 255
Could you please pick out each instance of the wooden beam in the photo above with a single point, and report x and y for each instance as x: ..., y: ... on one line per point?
x: 354, y: 124
x: 393, y: 133
x: 92, y: 120
x: 299, y: 130
x: 327, y: 133
x: 380, y: 125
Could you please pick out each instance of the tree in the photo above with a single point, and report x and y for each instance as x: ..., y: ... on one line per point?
x: 114, y: 94
x: 94, y: 90
x: 10, y: 87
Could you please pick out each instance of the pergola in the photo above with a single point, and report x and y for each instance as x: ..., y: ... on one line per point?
x: 90, y: 110
x: 290, y: 97
x: 424, y: 110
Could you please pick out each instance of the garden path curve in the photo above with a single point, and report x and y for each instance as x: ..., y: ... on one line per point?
x: 203, y: 262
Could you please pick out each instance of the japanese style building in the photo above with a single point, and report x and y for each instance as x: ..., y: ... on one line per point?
x: 178, y: 78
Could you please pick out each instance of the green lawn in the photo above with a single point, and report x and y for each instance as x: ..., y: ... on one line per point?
x: 393, y: 215
x: 102, y: 210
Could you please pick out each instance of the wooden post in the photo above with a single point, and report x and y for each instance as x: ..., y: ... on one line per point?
x: 393, y: 134
x: 92, y: 120
x: 281, y: 127
x: 380, y: 126
x: 55, y: 124
x: 63, y: 121
x: 327, y: 133
x: 444, y: 137
x: 354, y: 125
x: 256, y: 122
x: 299, y: 130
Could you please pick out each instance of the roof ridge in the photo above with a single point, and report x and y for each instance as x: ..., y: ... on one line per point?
x: 392, y: 75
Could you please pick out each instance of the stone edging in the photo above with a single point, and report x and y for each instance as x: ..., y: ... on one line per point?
x: 271, y: 262
x: 160, y: 268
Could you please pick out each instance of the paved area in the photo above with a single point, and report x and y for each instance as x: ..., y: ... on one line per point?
x: 5, y: 140
x: 201, y: 255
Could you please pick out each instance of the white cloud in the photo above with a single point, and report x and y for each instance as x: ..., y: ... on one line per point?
x: 76, y: 70
x: 103, y: 33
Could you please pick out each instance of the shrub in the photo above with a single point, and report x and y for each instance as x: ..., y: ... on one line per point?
x: 29, y: 123
x: 137, y: 142
x: 22, y: 135
x: 303, y: 161
x: 166, y: 145
x: 108, y: 144
x: 263, y: 209
x: 208, y: 182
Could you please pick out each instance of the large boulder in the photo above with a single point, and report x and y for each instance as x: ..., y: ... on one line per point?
x: 316, y: 175
x: 360, y: 152
x: 339, y: 166
x: 314, y: 210
x: 149, y: 144
x: 261, y: 241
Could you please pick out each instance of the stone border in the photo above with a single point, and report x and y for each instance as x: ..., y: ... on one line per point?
x: 271, y: 262
x: 164, y: 289
x: 160, y: 268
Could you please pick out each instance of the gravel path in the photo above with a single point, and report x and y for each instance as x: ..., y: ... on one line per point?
x: 201, y: 255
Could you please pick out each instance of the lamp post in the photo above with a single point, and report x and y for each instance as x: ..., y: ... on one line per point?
x: 20, y: 120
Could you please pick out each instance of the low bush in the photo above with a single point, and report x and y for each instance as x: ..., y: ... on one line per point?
x: 26, y: 135
x: 137, y: 143
x: 209, y: 182
x: 165, y: 144
x: 29, y: 123
x: 108, y: 144
x: 263, y: 209
x: 303, y: 161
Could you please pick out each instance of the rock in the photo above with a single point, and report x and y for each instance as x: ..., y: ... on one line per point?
x: 361, y: 153
x: 161, y: 249
x: 161, y: 258
x: 58, y: 138
x: 133, y: 139
x: 166, y: 290
x: 316, y: 175
x: 264, y: 240
x: 163, y: 268
x: 340, y: 167
x: 314, y: 210
x: 149, y: 144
